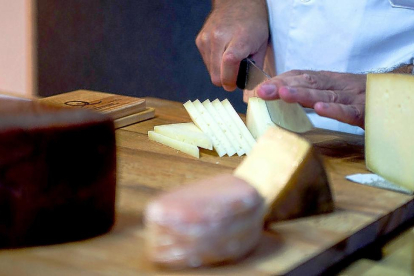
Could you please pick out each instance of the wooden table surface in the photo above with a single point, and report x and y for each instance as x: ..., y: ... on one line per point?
x: 301, y: 247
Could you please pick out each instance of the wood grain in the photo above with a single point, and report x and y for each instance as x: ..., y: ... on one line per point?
x: 116, y: 106
x: 299, y: 247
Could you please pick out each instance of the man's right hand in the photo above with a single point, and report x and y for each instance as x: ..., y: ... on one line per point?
x: 234, y: 30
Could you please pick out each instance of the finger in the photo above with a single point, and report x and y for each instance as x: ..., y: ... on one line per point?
x: 308, y: 97
x: 201, y: 42
x: 233, y: 55
x: 217, y: 49
x: 350, y: 114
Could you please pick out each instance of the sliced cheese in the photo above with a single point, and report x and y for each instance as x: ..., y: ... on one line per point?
x: 288, y: 174
x: 289, y: 115
x: 198, y: 119
x: 215, y: 128
x: 221, y: 121
x: 175, y: 144
x: 257, y: 117
x: 239, y: 123
x: 187, y: 133
x: 389, y: 128
x: 231, y: 126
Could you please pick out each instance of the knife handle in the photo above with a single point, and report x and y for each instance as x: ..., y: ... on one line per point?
x: 242, y: 74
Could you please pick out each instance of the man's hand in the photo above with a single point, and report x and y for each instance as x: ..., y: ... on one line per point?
x: 234, y: 30
x: 340, y: 96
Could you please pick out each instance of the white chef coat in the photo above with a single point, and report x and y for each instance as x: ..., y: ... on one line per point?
x: 354, y: 36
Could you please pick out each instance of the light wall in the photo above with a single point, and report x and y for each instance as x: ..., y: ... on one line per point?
x: 17, y: 58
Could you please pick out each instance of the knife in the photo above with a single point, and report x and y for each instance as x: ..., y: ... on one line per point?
x: 290, y: 116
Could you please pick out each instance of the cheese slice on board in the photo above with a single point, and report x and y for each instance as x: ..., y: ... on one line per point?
x: 288, y: 174
x: 175, y: 144
x: 239, y: 123
x: 202, y: 124
x: 226, y: 130
x: 187, y: 133
x: 257, y: 117
x: 389, y: 127
x: 231, y: 126
x: 213, y: 125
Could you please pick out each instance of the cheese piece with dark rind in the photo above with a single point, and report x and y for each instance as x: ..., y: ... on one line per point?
x: 289, y: 174
x: 212, y: 221
x: 57, y: 174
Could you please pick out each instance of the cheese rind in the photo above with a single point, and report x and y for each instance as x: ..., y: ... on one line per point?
x: 389, y: 128
x: 187, y: 133
x: 288, y: 174
x: 212, y: 221
x: 175, y: 144
x: 58, y: 175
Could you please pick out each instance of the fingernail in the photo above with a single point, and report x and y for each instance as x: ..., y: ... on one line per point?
x: 268, y: 90
x: 325, y: 105
x: 292, y: 90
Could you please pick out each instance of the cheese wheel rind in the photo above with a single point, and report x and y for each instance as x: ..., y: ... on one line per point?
x: 212, y: 221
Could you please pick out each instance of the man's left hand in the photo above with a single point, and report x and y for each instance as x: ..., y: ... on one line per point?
x: 339, y: 96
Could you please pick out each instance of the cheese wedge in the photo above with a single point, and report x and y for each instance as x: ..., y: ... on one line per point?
x: 213, y: 125
x: 198, y: 119
x: 257, y: 117
x: 291, y: 116
x: 231, y: 112
x: 175, y: 144
x: 288, y: 173
x: 389, y: 128
x: 187, y: 133
x: 225, y: 128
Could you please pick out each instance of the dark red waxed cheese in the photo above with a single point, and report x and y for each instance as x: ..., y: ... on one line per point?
x: 57, y: 174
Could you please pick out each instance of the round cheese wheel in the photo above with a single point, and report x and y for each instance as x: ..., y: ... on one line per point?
x: 212, y: 221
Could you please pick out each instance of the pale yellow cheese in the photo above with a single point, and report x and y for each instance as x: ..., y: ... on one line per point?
x: 215, y: 128
x: 178, y: 145
x: 288, y: 173
x: 223, y: 126
x: 389, y: 127
x: 186, y: 133
x: 198, y: 119
x: 257, y: 117
x: 232, y: 127
x: 289, y: 115
x: 231, y: 112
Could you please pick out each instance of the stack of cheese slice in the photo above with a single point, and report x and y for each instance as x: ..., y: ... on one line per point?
x: 185, y: 137
x: 216, y: 125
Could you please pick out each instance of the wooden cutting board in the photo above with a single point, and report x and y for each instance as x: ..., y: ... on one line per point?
x: 125, y: 110
x: 305, y: 246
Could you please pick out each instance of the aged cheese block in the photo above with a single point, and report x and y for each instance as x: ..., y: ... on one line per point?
x: 57, y: 174
x: 389, y: 127
x: 186, y: 133
x: 212, y: 221
x: 288, y: 174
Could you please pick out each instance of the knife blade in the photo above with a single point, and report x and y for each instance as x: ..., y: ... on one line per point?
x: 290, y: 116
